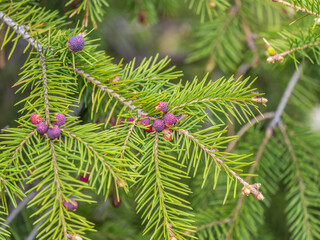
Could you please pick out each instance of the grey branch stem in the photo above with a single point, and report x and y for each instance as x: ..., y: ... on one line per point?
x: 285, y: 97
x: 276, y: 119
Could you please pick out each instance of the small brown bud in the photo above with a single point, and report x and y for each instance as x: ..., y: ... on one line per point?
x: 116, y: 79
x: 142, y: 17
x: 270, y: 60
x: 120, y: 183
x: 279, y: 59
x: 212, y: 4
x: 259, y: 196
x: 167, y: 134
x: 246, y: 190
x: 75, y: 237
x: 256, y: 185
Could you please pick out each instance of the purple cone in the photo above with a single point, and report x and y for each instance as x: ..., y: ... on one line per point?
x: 76, y: 43
x: 54, y: 132
x: 42, y: 128
x: 158, y: 125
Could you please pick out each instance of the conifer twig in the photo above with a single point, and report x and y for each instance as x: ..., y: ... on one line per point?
x: 296, y: 7
x: 93, y: 150
x: 208, y: 100
x: 58, y: 186
x: 222, y: 163
x: 276, y: 56
x: 247, y: 126
x: 104, y: 88
x: 21, y: 30
x: 160, y: 187
x: 269, y: 130
x: 213, y: 224
x: 22, y: 143
x: 45, y: 87
x: 299, y: 177
x: 128, y: 136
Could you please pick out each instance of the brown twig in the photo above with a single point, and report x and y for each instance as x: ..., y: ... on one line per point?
x: 249, y: 38
x: 299, y: 177
x: 296, y: 7
x: 247, y: 126
x: 213, y: 224
x: 58, y: 186
x: 250, y: 42
x: 269, y: 131
x: 298, y: 48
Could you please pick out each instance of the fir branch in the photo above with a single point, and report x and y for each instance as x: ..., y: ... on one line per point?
x: 111, y: 92
x: 213, y: 224
x: 32, y: 235
x: 93, y: 150
x: 45, y: 87
x: 247, y: 126
x: 128, y: 136
x: 222, y: 163
x: 21, y: 30
x: 22, y: 143
x: 296, y: 7
x: 159, y: 184
x: 58, y: 186
x: 193, y: 102
x: 299, y: 177
x: 269, y: 130
x: 279, y: 56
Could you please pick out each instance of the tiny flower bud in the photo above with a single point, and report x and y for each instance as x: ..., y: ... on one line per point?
x: 212, y: 4
x: 271, y: 51
x: 72, y: 205
x: 84, y: 178
x: 158, y: 125
x: 270, y: 60
x: 167, y: 134
x: 75, y: 237
x: 162, y: 106
x: 119, y: 183
x: 246, y: 190
x: 279, y: 59
x: 256, y: 185
x: 115, y: 202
